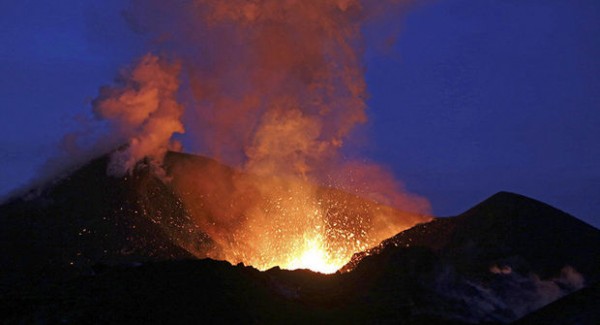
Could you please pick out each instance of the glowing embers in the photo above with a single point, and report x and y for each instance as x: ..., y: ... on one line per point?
x: 324, y: 247
x: 306, y: 232
x: 296, y: 232
x: 286, y: 222
x: 294, y: 227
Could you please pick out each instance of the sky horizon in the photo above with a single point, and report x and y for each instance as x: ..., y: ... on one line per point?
x: 472, y: 99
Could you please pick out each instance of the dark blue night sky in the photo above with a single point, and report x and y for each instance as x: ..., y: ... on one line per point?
x: 477, y: 96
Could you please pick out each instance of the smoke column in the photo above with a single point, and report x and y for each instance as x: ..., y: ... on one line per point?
x: 143, y: 109
x: 275, y: 89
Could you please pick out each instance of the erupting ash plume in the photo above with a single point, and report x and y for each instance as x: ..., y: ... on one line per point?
x: 273, y: 88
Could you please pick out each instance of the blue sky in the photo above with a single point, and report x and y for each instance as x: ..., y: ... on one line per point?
x: 474, y: 98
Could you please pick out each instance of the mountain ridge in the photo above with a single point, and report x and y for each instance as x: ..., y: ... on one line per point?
x: 505, y: 257
x: 499, y: 216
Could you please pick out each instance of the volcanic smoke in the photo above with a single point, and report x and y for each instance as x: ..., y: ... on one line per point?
x: 274, y: 89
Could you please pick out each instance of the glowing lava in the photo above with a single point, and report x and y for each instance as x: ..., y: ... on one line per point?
x: 281, y: 222
x: 315, y: 257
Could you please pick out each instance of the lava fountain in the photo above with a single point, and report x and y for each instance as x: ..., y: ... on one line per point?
x: 268, y: 221
x: 273, y: 88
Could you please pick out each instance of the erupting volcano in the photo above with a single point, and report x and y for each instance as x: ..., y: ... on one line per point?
x: 274, y: 89
x: 220, y: 179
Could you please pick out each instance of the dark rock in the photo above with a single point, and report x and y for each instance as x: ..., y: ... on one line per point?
x: 96, y: 249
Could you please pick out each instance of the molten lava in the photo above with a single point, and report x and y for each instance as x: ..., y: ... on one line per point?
x: 314, y: 256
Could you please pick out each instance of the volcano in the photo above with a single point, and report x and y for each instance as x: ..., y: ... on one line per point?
x: 94, y: 248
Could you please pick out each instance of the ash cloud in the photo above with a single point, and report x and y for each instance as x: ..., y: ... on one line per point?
x: 274, y: 89
x: 272, y: 86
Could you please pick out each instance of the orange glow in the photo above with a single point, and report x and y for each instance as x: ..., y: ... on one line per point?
x: 274, y: 89
x: 287, y: 222
x: 314, y: 256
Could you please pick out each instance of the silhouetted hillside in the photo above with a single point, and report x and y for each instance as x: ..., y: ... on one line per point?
x: 510, y: 229
x: 84, y: 219
x: 92, y: 248
x: 502, y: 259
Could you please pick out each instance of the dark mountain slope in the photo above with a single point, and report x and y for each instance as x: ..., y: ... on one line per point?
x: 581, y: 308
x: 109, y: 250
x: 500, y: 260
x: 506, y: 229
x: 213, y: 292
x: 84, y: 219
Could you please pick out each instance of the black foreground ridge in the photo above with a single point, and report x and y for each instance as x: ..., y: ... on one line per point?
x: 85, y: 250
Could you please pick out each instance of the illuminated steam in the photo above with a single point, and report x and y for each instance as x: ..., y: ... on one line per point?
x: 142, y: 108
x: 275, y: 89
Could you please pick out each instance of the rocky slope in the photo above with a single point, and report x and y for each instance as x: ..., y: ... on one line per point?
x: 96, y: 249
